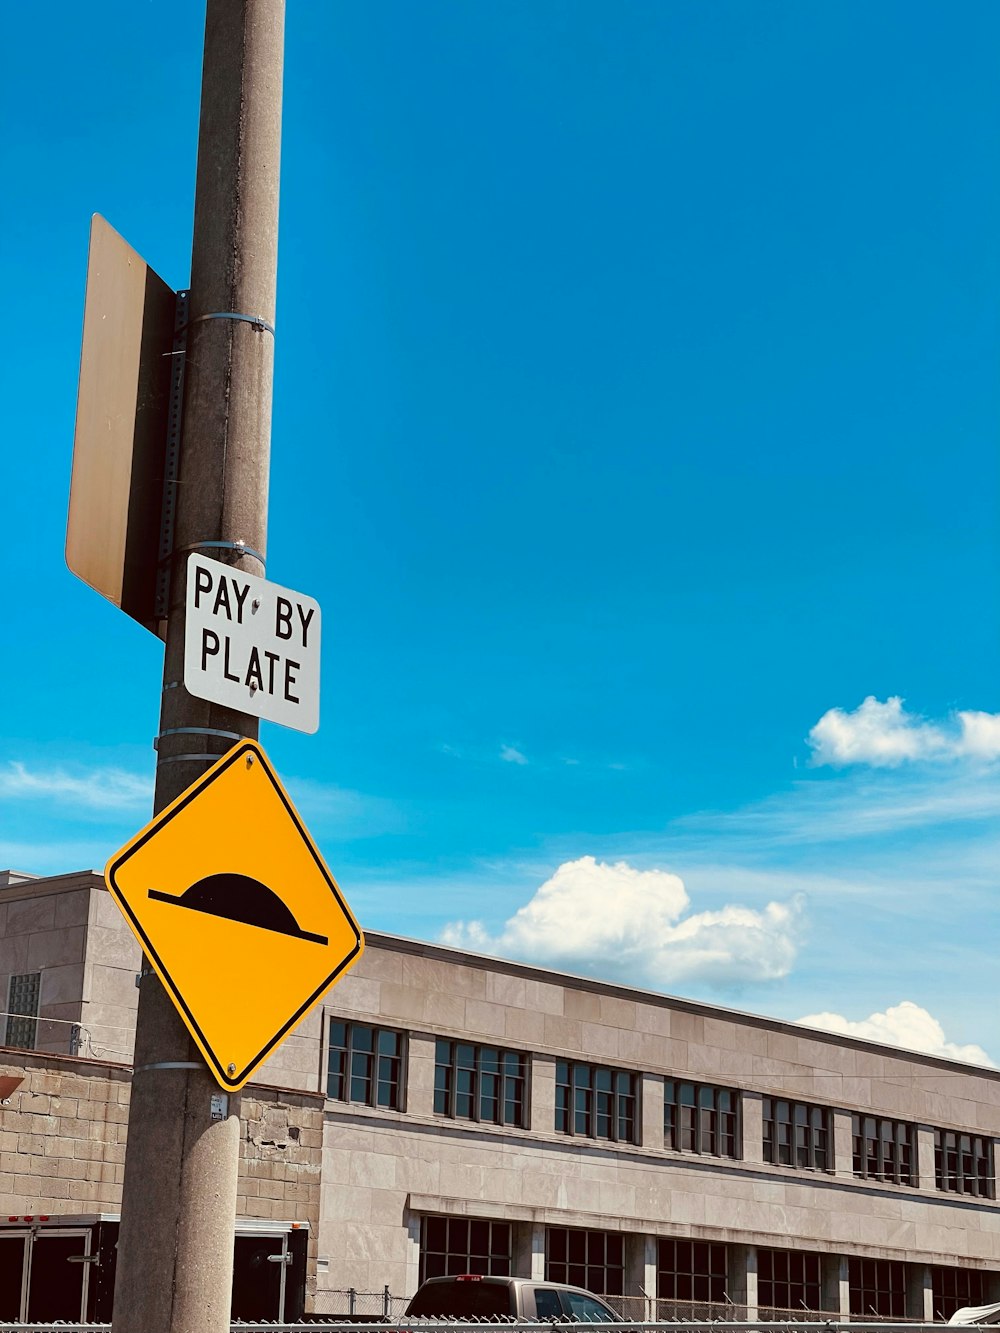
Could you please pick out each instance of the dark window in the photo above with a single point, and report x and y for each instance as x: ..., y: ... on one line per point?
x: 591, y: 1259
x: 690, y: 1270
x: 22, y: 1010
x: 796, y: 1134
x: 878, y: 1287
x: 883, y: 1149
x: 453, y: 1245
x: 787, y: 1280
x: 595, y: 1102
x: 365, y: 1065
x: 963, y: 1163
x: 547, y: 1303
x: 585, y: 1310
x: 480, y: 1083
x: 954, y: 1287
x: 700, y: 1118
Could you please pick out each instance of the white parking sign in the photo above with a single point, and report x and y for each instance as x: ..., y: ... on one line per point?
x: 251, y: 645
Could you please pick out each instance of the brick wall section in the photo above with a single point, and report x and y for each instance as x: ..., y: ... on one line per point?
x: 281, y: 1158
x: 62, y: 1136
x: 63, y: 1133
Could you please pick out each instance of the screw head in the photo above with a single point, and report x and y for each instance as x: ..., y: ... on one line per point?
x: 255, y: 606
x: 249, y: 761
x: 230, y: 1069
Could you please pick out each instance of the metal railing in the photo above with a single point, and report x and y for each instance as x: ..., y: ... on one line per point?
x: 38, y: 1034
x: 324, y: 1324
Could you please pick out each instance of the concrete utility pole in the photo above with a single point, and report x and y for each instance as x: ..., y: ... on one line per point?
x: 175, y: 1254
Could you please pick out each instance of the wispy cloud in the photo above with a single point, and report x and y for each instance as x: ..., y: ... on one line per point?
x: 511, y: 755
x: 855, y: 806
x: 617, y: 920
x: 105, y: 789
x: 344, y: 813
x: 885, y: 735
x: 51, y: 857
x: 905, y: 1024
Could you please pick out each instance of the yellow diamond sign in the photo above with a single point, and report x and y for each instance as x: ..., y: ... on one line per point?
x: 236, y: 911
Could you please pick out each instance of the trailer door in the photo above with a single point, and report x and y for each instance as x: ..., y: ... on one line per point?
x: 13, y: 1262
x: 259, y: 1263
x: 58, y: 1275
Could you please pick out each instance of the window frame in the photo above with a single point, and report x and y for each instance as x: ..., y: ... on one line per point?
x: 22, y: 982
x: 592, y: 1096
x: 801, y: 1117
x: 952, y: 1288
x: 505, y: 1079
x: 896, y: 1167
x: 496, y: 1263
x: 802, y: 1273
x: 879, y: 1278
x: 970, y: 1166
x: 677, y: 1266
x: 591, y: 1245
x: 705, y: 1128
x: 374, y: 1078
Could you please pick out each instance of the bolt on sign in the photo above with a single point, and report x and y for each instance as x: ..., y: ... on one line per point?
x: 251, y: 645
x: 236, y: 911
x: 116, y: 493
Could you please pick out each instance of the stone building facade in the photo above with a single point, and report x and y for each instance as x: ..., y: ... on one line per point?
x: 454, y: 1113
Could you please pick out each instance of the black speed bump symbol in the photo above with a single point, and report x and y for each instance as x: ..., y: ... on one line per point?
x: 240, y: 898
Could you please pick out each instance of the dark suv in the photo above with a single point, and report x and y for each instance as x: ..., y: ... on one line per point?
x: 473, y: 1297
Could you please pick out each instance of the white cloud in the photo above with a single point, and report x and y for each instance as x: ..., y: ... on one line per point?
x: 980, y: 737
x: 98, y: 789
x: 904, y: 1024
x: 885, y: 735
x: 613, y: 918
x: 510, y: 755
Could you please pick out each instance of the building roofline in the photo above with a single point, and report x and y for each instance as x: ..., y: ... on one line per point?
x: 535, y: 972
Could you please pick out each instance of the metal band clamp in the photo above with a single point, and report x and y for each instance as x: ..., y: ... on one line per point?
x: 258, y: 322
x: 195, y: 758
x: 196, y: 731
x: 239, y: 546
x: 168, y: 1064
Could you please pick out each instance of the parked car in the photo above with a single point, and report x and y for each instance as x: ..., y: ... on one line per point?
x: 470, y: 1296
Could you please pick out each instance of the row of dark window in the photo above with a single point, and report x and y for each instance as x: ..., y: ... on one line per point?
x: 691, y: 1271
x: 490, y: 1085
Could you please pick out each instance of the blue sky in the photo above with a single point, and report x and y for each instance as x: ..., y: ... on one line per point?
x: 636, y: 421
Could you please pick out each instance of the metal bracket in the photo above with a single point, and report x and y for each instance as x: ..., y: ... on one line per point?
x: 168, y: 1064
x: 183, y: 758
x: 196, y: 731
x: 172, y: 457
x: 239, y: 546
x: 260, y: 324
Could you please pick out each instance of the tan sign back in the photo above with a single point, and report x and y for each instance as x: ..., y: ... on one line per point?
x: 112, y: 536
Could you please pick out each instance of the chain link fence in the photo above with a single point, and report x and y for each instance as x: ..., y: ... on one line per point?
x: 348, y: 1303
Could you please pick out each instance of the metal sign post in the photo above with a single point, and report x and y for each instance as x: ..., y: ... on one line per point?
x: 175, y: 1250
